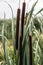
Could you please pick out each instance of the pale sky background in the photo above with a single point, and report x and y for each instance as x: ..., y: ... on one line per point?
x: 15, y: 5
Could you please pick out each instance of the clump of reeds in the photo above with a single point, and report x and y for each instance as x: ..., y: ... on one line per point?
x: 26, y: 44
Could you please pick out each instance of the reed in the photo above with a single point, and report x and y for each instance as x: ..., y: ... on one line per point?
x: 24, y: 54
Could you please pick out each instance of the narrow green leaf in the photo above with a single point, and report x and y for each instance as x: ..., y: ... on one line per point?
x: 39, y: 12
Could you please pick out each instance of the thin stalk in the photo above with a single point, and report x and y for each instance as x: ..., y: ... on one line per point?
x: 19, y: 4
x: 24, y: 0
x: 22, y: 27
x: 30, y: 48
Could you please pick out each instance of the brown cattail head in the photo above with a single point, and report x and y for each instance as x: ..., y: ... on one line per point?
x: 21, y: 37
x: 17, y: 27
x: 22, y: 18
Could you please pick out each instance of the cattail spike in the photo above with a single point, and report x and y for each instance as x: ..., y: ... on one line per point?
x: 17, y: 27
x: 22, y: 19
x: 21, y: 37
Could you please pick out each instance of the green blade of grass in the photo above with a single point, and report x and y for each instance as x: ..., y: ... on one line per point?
x: 39, y: 12
x: 31, y: 12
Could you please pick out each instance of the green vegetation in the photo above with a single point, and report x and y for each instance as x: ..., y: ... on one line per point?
x: 34, y: 26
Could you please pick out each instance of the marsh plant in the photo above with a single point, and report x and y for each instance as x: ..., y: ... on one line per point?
x: 33, y: 28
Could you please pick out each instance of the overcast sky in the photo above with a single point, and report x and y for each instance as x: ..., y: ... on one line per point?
x: 15, y: 4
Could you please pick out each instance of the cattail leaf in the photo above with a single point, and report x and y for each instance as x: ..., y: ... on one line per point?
x: 24, y: 45
x: 5, y: 53
x: 4, y: 45
x: 25, y: 59
x: 33, y: 8
x: 31, y: 13
x: 39, y: 12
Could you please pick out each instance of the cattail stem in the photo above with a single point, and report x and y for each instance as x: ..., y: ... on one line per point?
x: 19, y: 3
x: 21, y: 37
x: 17, y: 27
x: 24, y: 0
x: 30, y: 48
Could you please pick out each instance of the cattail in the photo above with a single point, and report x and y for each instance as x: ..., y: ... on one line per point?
x: 30, y: 48
x: 17, y: 27
x: 21, y: 37
x: 22, y: 19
